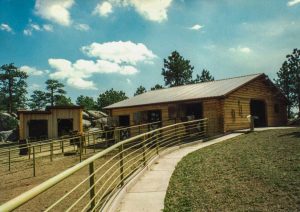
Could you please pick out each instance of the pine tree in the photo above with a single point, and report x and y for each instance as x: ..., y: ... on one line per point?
x: 140, y: 90
x: 177, y: 70
x: 205, y: 77
x: 13, y: 87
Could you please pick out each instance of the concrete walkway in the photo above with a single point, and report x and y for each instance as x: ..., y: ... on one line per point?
x: 148, y: 193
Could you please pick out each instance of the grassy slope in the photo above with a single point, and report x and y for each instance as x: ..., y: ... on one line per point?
x: 254, y: 172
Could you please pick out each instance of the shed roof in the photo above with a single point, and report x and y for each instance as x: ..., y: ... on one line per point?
x: 213, y: 89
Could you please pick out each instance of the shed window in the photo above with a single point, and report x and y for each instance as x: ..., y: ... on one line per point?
x: 276, y: 108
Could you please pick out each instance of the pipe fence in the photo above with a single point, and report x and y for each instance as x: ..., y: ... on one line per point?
x: 89, y: 185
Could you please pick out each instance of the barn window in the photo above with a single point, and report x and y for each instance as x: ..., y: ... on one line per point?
x: 276, y: 108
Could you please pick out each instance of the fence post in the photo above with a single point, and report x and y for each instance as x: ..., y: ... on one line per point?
x: 62, y: 146
x: 92, y: 184
x: 29, y: 151
x: 94, y: 141
x: 144, y: 151
x: 9, y: 156
x: 80, y: 148
x: 84, y: 144
x: 51, y: 151
x: 88, y: 138
x: 121, y: 148
x: 33, y: 160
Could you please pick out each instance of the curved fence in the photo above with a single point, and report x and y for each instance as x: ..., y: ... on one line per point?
x: 89, y: 185
x: 24, y: 156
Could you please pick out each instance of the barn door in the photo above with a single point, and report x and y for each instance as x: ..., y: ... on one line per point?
x: 258, y: 109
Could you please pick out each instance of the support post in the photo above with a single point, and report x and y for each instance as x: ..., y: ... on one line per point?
x: 92, y: 185
x: 94, y: 141
x: 121, y: 148
x: 80, y: 148
x: 29, y: 151
x: 33, y: 160
x: 9, y: 158
x: 51, y: 151
x: 62, y: 146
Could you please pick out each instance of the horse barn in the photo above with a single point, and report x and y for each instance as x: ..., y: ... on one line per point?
x: 53, y: 122
x: 226, y: 103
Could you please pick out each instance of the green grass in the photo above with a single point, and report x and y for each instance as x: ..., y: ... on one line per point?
x: 259, y: 171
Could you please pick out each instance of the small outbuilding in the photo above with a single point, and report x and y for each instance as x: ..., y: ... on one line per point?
x: 226, y: 103
x: 53, y: 122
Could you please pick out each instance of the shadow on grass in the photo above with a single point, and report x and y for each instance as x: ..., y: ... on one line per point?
x: 293, y: 134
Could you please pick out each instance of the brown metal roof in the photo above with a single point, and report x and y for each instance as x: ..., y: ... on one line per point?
x: 213, y: 89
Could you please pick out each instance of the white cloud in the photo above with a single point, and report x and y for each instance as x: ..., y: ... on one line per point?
x: 82, y: 27
x: 5, y: 27
x: 112, y: 58
x: 31, y: 27
x: 240, y: 49
x: 55, y: 10
x: 103, y: 9
x: 293, y: 2
x: 120, y: 52
x: 48, y: 27
x: 77, y: 74
x: 31, y: 71
x: 153, y: 10
x: 196, y: 27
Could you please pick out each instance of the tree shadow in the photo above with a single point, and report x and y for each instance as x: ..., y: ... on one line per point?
x: 293, y: 134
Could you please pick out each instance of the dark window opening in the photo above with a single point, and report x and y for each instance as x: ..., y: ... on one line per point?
x: 191, y: 111
x: 64, y: 127
x: 38, y: 129
x: 276, y: 108
x: 124, y: 121
x: 154, y: 116
x: 258, y: 110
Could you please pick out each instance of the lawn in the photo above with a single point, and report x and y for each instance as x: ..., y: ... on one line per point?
x: 259, y: 171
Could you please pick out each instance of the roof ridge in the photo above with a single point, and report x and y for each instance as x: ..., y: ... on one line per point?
x: 209, y: 81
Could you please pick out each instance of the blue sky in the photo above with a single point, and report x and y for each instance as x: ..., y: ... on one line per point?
x: 95, y: 45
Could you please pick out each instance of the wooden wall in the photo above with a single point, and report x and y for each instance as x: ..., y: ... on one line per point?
x: 75, y: 114
x: 239, y: 103
x: 212, y: 109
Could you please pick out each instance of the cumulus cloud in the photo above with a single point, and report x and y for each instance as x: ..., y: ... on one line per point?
x: 111, y: 58
x: 154, y: 10
x: 196, y: 27
x: 293, y: 3
x: 31, y: 71
x: 55, y: 10
x: 120, y: 52
x: 82, y: 27
x: 77, y: 74
x: 240, y: 49
x: 5, y: 27
x: 103, y: 9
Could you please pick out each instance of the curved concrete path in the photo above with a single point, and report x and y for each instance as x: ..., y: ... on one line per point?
x: 148, y: 193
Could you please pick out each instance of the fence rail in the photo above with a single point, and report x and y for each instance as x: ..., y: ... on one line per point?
x: 76, y: 144
x: 100, y: 176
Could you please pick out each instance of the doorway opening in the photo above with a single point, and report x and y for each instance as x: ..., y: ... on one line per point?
x: 38, y: 129
x: 124, y: 121
x: 258, y: 109
x: 154, y: 116
x: 64, y: 127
